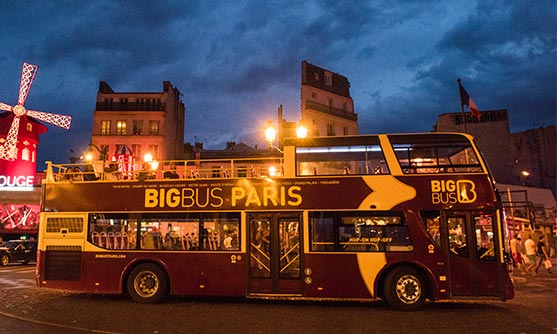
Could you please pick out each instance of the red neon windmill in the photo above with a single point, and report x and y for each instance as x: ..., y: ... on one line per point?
x: 8, y: 149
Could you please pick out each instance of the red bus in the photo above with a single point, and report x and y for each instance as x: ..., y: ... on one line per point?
x: 406, y: 218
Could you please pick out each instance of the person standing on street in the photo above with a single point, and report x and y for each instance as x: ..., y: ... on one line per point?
x: 542, y: 255
x: 530, y: 247
x: 516, y: 254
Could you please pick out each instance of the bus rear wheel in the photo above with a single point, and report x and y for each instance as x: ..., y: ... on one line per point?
x: 147, y: 283
x: 405, y: 289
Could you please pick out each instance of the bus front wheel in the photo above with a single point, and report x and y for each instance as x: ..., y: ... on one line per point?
x: 405, y: 289
x: 147, y: 283
x: 5, y: 260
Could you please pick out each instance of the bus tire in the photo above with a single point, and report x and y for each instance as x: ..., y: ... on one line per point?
x: 147, y: 283
x: 405, y: 289
x: 4, y: 260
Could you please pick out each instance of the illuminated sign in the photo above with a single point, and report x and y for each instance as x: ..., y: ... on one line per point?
x: 269, y: 196
x: 452, y: 192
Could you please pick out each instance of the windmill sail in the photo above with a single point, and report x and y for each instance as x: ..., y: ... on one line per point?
x: 8, y: 148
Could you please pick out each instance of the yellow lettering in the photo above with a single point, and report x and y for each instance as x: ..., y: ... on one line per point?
x: 269, y: 194
x: 236, y: 194
x: 217, y: 197
x: 253, y: 198
x: 435, y: 186
x: 151, y: 198
x: 173, y: 197
x: 296, y: 198
x: 187, y: 198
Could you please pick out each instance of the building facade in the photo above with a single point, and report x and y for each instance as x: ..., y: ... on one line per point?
x: 327, y: 109
x: 492, y: 135
x: 535, y: 157
x: 147, y: 123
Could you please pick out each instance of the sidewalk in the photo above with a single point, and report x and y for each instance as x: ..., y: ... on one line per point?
x: 520, y: 277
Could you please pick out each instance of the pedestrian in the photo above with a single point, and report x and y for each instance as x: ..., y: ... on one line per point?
x: 516, y: 254
x: 542, y: 255
x: 530, y: 247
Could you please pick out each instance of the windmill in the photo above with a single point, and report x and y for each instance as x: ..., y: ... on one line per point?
x: 8, y: 148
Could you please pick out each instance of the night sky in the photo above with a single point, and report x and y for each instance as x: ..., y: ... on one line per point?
x: 235, y: 62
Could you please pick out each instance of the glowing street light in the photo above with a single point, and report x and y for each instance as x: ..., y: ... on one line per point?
x: 301, y: 131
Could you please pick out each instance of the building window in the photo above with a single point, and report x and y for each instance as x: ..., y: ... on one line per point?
x: 105, y: 128
x: 104, y: 148
x: 345, y: 131
x: 154, y: 128
x: 108, y: 104
x: 137, y: 127
x: 328, y: 79
x: 154, y: 150
x: 121, y: 128
x: 136, y: 150
x: 124, y: 104
x: 314, y: 95
x: 25, y: 154
x: 330, y: 129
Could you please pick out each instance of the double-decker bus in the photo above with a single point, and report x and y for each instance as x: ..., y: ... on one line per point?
x: 406, y: 218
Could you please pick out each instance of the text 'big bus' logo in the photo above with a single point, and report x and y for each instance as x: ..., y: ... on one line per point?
x: 451, y: 192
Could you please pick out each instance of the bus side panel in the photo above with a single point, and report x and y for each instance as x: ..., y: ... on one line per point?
x: 58, y: 275
x: 207, y: 274
x: 334, y: 276
x: 214, y: 274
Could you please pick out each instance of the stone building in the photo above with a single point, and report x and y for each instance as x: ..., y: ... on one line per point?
x: 146, y: 122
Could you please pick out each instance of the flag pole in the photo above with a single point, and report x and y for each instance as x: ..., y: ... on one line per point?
x: 462, y: 105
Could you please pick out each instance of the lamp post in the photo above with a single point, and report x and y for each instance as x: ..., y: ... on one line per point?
x: 270, y: 136
x: 103, y: 153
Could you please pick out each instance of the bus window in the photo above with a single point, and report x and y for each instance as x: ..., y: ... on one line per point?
x: 341, y: 160
x: 431, y: 221
x: 113, y: 231
x: 359, y: 232
x: 457, y: 236
x: 426, y: 155
x: 322, y: 232
x: 484, y: 238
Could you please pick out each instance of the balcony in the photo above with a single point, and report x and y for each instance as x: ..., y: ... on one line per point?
x: 331, y: 110
x: 131, y: 106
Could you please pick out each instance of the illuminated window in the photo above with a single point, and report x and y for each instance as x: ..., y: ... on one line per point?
x: 154, y: 150
x: 25, y: 154
x: 154, y: 128
x: 121, y: 128
x: 105, y: 128
x: 29, y: 127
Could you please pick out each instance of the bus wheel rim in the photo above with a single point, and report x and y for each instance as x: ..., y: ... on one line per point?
x: 408, y: 289
x: 5, y: 260
x: 146, y: 284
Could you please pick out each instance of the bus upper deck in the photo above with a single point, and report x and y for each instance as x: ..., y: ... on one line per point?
x: 397, y: 154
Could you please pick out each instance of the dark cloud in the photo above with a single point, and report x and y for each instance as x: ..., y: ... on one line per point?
x: 236, y: 62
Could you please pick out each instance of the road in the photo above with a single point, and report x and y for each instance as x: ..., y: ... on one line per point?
x: 27, y: 309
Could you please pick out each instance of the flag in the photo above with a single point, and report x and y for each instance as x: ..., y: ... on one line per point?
x: 466, y: 100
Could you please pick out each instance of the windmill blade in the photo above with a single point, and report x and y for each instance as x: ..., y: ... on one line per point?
x: 6, y: 107
x: 62, y: 121
x: 9, y: 151
x: 27, y: 76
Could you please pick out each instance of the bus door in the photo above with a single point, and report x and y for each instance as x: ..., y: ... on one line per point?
x: 274, y: 251
x: 471, y: 239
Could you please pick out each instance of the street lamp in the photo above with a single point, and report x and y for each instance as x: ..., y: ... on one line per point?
x: 301, y: 131
x: 103, y: 152
x: 270, y: 135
